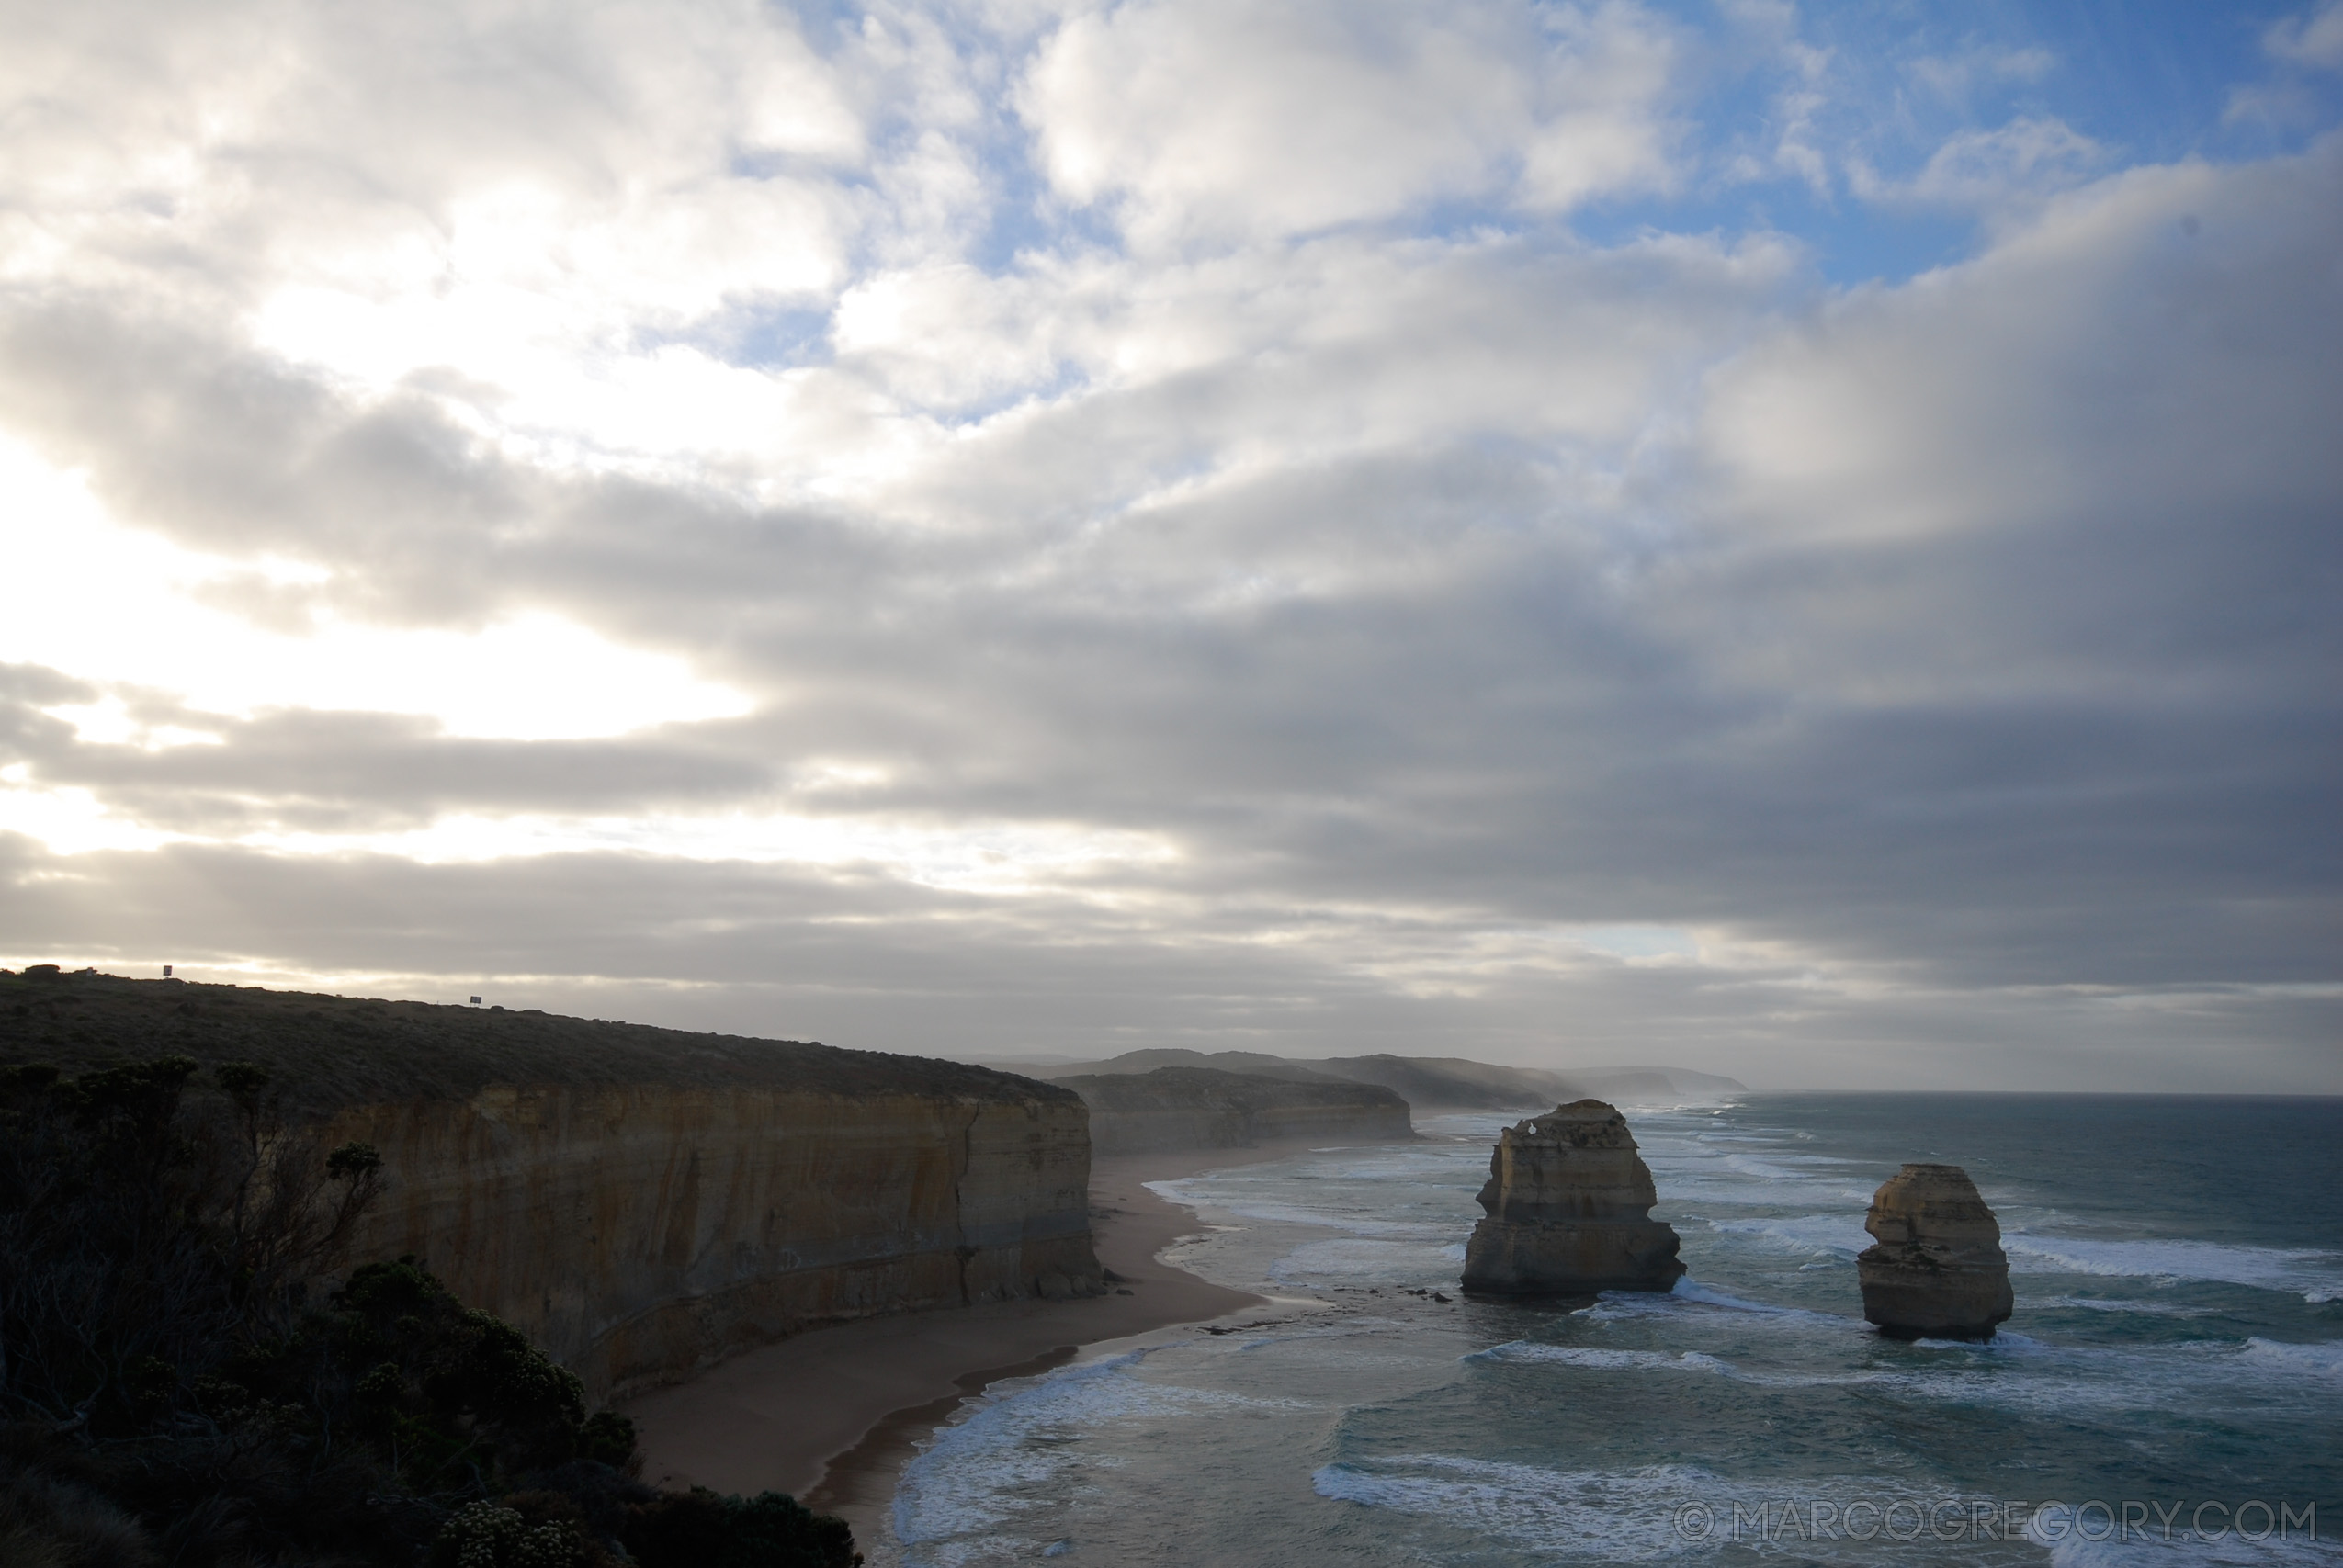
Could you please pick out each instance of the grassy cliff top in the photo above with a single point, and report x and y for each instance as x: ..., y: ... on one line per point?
x: 324, y: 1051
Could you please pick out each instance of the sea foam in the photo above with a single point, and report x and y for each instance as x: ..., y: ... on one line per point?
x: 1831, y: 1235
x: 1600, y: 1358
x: 1002, y: 1459
x: 2315, y: 1276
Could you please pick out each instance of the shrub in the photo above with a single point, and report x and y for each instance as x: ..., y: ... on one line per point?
x: 168, y: 1391
x: 489, y: 1535
x: 702, y: 1530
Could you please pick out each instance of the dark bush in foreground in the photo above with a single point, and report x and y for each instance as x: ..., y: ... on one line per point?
x: 169, y: 1393
x: 700, y: 1530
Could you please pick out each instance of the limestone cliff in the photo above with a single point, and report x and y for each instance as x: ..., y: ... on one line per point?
x: 640, y: 1200
x: 639, y: 1231
x: 1938, y: 1270
x: 1198, y: 1108
x: 1568, y: 1203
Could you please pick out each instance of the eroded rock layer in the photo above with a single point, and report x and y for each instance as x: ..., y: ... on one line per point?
x: 1568, y: 1203
x: 641, y: 1231
x: 1938, y: 1270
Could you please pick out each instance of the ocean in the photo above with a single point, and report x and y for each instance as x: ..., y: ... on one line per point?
x: 2169, y: 1390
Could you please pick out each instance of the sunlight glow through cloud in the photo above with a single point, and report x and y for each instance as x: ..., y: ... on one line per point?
x: 972, y: 857
x: 117, y: 605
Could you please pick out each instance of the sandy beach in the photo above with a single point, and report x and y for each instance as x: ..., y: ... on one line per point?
x: 832, y: 1415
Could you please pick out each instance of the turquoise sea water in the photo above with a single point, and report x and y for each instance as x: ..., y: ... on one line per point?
x: 2174, y: 1365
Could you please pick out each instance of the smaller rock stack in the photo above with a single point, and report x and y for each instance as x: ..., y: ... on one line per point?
x: 1569, y: 1211
x: 1938, y: 1272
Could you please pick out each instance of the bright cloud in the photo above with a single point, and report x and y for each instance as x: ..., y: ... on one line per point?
x: 1219, y: 122
x: 233, y: 638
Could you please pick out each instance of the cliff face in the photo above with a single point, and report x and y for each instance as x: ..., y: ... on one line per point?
x: 1939, y: 1270
x: 638, y: 1233
x: 1198, y: 1108
x: 1568, y: 1203
x: 641, y: 1201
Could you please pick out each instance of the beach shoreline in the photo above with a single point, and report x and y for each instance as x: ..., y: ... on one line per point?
x: 832, y: 1415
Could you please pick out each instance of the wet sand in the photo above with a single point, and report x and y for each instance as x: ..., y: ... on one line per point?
x: 832, y: 1415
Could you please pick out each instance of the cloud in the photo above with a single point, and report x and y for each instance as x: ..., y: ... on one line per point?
x: 1955, y: 76
x: 2110, y: 356
x: 1217, y: 123
x: 575, y: 161
x: 350, y: 774
x: 252, y: 636
x: 2314, y: 38
x: 2295, y: 96
x: 852, y: 958
x: 1989, y: 170
x: 1138, y: 525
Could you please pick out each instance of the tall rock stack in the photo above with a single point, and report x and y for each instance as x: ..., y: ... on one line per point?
x: 1569, y: 1211
x: 1938, y: 1272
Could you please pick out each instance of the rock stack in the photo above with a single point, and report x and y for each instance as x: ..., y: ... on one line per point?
x: 1938, y: 1272
x: 1569, y: 1211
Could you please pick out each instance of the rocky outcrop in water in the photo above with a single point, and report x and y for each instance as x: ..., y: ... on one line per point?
x: 1938, y: 1270
x: 640, y: 1201
x: 1569, y: 1211
x: 1196, y: 1108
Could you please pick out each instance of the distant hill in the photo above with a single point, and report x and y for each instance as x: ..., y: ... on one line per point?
x: 1426, y: 1083
x: 1204, y: 1108
x: 1650, y: 1085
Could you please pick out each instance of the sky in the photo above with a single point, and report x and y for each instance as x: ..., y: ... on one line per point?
x: 1801, y: 541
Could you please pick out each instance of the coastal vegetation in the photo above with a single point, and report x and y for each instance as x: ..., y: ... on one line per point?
x: 326, y: 1051
x: 177, y: 1385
